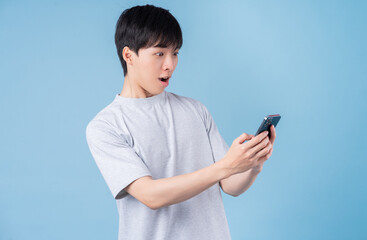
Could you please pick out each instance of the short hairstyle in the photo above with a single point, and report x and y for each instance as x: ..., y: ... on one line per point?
x: 143, y: 26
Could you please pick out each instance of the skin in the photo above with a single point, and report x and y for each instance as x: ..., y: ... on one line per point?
x: 269, y: 146
x: 144, y: 69
x: 245, y: 160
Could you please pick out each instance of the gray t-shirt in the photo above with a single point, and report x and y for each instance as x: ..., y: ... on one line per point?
x: 161, y: 136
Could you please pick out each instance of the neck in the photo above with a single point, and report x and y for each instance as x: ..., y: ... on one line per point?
x: 131, y: 89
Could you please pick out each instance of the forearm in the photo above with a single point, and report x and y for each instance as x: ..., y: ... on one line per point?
x: 238, y: 183
x: 168, y: 191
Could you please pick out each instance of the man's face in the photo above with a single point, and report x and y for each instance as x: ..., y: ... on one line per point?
x: 151, y: 66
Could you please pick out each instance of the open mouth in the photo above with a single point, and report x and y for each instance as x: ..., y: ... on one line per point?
x: 164, y: 79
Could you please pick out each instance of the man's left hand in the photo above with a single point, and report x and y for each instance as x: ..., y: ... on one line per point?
x: 261, y: 161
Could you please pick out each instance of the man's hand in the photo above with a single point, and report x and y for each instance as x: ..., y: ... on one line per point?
x: 243, y: 156
x: 261, y: 160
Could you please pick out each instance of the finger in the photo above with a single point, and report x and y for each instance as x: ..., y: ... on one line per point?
x: 263, y: 152
x: 271, y: 151
x: 243, y: 138
x: 256, y: 140
x: 265, y: 143
x: 267, y: 156
x: 257, y: 146
x: 273, y: 134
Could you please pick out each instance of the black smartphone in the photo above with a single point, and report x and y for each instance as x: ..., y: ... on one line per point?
x: 267, y: 122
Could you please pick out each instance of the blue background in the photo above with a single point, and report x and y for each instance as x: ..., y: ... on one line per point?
x: 305, y: 60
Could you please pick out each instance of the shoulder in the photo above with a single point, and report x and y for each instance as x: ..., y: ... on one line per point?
x: 105, y: 121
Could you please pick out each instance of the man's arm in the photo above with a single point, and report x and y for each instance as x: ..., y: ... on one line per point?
x: 239, y: 159
x: 238, y: 183
x: 167, y: 191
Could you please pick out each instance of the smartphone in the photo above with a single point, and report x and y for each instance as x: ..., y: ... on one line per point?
x: 267, y: 122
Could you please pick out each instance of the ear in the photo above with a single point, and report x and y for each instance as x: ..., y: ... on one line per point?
x: 127, y: 55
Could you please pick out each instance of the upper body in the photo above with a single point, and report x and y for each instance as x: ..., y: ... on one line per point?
x: 161, y: 136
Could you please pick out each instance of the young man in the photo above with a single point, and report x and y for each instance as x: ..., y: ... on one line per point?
x: 161, y: 154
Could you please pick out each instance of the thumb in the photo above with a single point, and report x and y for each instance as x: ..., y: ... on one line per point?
x: 243, y: 138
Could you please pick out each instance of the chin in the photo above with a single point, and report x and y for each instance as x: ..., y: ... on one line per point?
x: 151, y: 93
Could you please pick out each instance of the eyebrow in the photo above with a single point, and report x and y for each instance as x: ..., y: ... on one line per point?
x: 159, y: 45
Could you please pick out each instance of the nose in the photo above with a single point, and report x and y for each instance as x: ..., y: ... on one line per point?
x: 169, y: 63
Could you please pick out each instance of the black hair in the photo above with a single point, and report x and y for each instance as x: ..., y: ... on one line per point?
x: 143, y: 26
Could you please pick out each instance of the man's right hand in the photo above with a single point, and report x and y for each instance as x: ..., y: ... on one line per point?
x: 244, y: 156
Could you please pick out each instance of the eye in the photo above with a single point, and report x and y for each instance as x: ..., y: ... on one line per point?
x: 159, y: 54
x: 176, y: 53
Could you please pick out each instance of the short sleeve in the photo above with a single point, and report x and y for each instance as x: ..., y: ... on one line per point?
x: 218, y: 144
x: 118, y: 162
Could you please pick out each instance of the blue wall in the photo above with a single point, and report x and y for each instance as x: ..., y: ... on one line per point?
x: 243, y: 59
